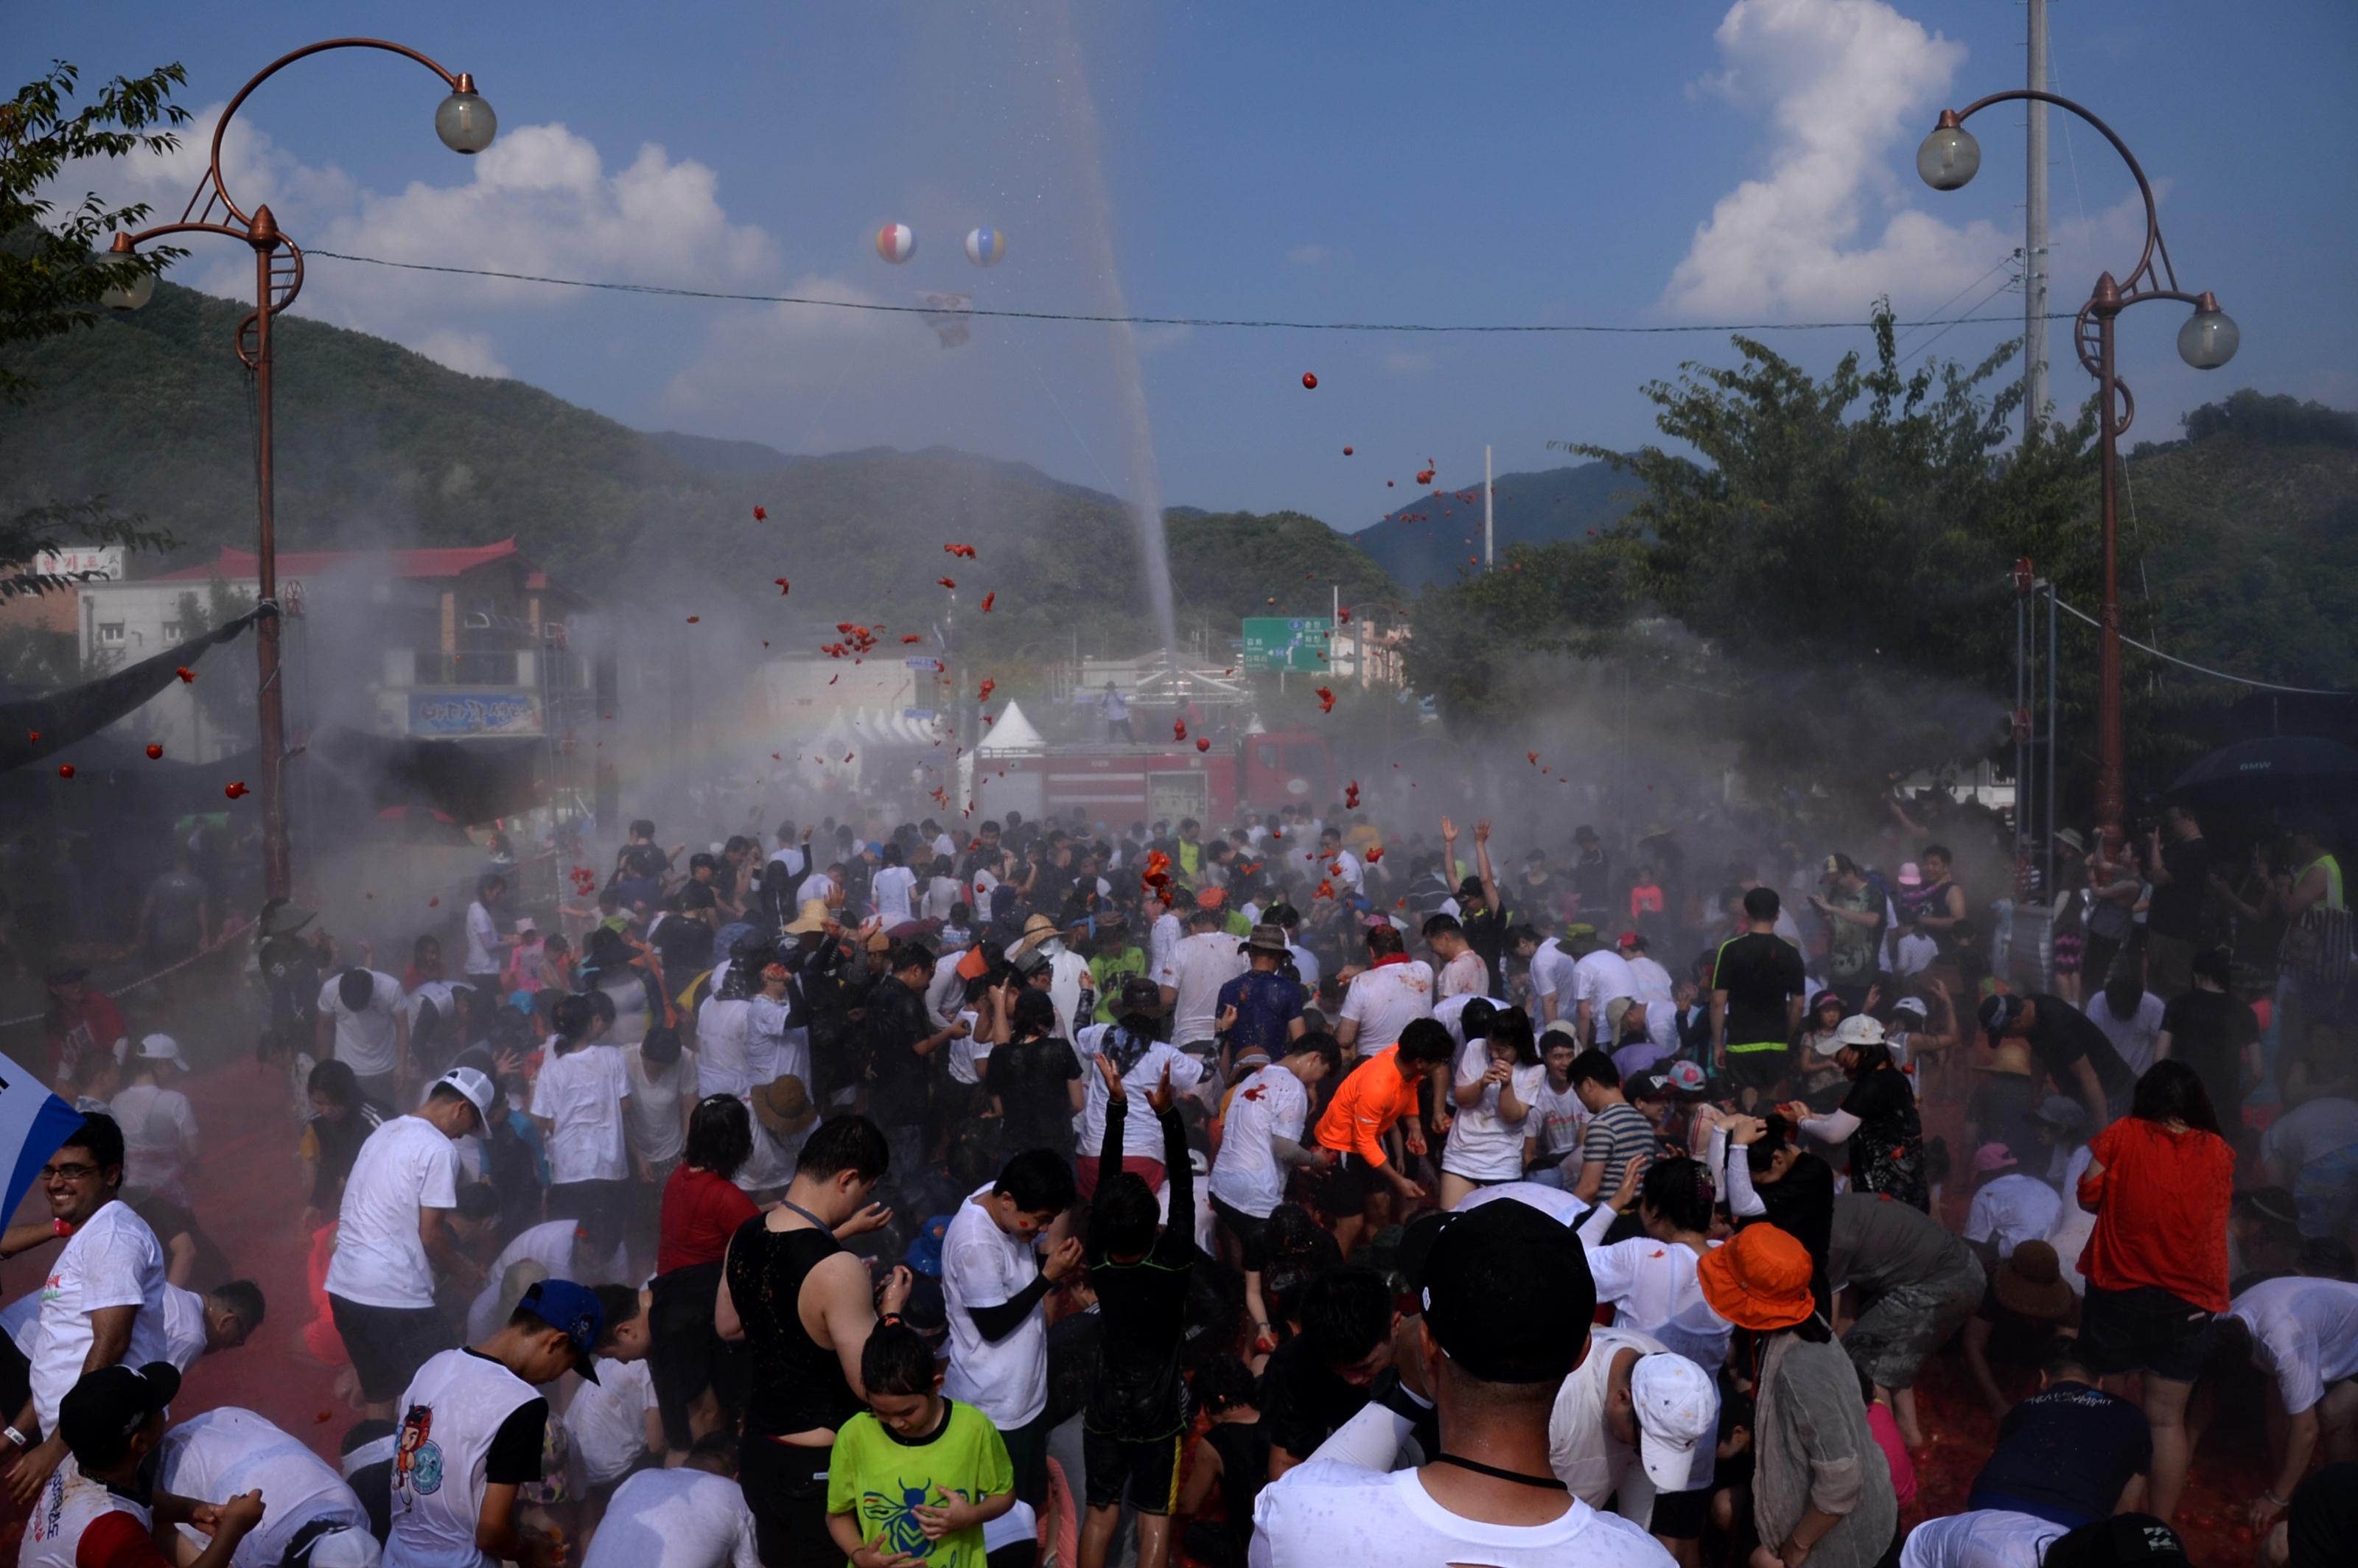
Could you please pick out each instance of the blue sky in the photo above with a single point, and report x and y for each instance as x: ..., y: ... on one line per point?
x: 1566, y: 162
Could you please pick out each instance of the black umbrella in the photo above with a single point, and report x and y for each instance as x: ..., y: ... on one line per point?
x: 2271, y: 759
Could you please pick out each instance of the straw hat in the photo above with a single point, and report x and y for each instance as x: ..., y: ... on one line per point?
x: 1759, y: 1281
x: 2031, y: 1284
x: 783, y: 1106
x: 812, y: 919
x: 1036, y: 930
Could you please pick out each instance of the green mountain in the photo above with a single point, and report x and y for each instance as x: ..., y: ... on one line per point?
x: 1435, y: 539
x: 380, y: 445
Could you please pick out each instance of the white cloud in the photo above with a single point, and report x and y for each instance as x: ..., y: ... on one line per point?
x: 470, y: 353
x: 1847, y: 88
x: 539, y: 200
x: 774, y: 352
x: 1307, y: 256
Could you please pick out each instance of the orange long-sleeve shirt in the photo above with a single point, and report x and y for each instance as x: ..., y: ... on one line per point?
x: 1365, y: 1107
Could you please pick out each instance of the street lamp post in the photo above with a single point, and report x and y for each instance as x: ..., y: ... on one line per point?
x: 1948, y: 159
x: 466, y: 124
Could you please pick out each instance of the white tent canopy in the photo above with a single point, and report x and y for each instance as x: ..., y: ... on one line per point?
x: 1010, y: 733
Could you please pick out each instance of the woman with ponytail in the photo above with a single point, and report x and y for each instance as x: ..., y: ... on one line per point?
x: 1139, y: 1060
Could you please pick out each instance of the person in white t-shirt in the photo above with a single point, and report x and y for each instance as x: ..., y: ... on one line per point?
x: 96, y: 1511
x: 102, y: 1303
x: 160, y: 1126
x: 227, y: 1450
x: 1505, y: 1305
x: 2303, y: 1332
x: 1338, y: 865
x: 1604, y: 986
x: 612, y: 1423
x: 394, y: 1232
x: 1260, y: 1145
x: 1385, y: 998
x: 2129, y: 1016
x: 663, y: 1092
x: 992, y: 1287
x: 1555, y: 988
x: 1658, y: 991
x: 691, y: 1516
x: 1207, y: 959
x: 1462, y: 973
x: 365, y: 1023
x: 582, y: 1104
x: 2009, y: 1207
x: 1559, y: 1116
x: 892, y: 888
x: 1140, y: 1061
x: 1497, y: 1082
x: 486, y: 954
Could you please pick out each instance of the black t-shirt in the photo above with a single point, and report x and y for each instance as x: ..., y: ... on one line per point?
x: 1887, y: 1152
x: 1303, y: 1402
x: 1486, y: 933
x: 2064, y: 1454
x: 2063, y: 1034
x: 2176, y: 907
x: 2209, y: 1031
x: 1802, y: 1206
x: 1592, y: 879
x: 2000, y: 1108
x: 685, y: 945
x: 1028, y: 1078
x: 1243, y: 1448
x: 643, y: 860
x: 1759, y: 972
x: 897, y: 1074
x: 2324, y: 1516
x: 1144, y: 1303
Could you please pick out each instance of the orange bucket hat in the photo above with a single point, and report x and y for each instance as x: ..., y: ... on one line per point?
x: 1759, y: 1280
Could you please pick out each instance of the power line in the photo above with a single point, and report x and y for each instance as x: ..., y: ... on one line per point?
x: 2070, y: 609
x: 665, y: 291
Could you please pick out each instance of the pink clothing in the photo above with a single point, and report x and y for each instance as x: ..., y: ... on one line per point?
x: 1895, y: 1452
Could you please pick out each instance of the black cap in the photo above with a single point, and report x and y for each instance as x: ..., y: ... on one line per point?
x: 1507, y: 1293
x: 1470, y: 888
x: 100, y: 1412
x: 2123, y: 1540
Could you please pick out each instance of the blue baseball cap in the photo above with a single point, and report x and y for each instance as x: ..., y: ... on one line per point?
x: 573, y: 1310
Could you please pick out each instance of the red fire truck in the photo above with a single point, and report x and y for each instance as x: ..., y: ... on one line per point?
x: 1118, y: 783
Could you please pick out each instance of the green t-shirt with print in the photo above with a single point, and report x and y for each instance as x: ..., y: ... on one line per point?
x: 881, y: 1479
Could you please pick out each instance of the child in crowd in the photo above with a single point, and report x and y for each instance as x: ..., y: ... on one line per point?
x: 915, y: 1476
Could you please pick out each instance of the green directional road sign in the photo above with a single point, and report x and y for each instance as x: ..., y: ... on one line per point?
x: 1287, y: 642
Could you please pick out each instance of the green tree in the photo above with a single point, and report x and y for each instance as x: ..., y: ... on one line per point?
x: 51, y: 284
x: 1844, y: 546
x: 1470, y: 637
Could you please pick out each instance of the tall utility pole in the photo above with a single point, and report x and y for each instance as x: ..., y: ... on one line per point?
x: 2034, y: 233
x: 1488, y: 537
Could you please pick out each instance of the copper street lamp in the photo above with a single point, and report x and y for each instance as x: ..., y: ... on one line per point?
x: 1949, y: 158
x: 466, y: 124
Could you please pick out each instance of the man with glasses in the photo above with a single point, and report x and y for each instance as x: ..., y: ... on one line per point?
x: 393, y: 1231
x: 103, y: 1303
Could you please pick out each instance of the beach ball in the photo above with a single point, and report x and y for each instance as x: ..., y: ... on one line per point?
x: 985, y: 246
x: 896, y: 243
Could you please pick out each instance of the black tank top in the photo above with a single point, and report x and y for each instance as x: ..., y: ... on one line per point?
x: 1244, y: 1471
x: 797, y: 1385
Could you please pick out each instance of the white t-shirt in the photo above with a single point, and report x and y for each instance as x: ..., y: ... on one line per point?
x: 456, y: 1405
x: 674, y: 1519
x: 112, y: 1260
x: 1553, y: 976
x: 1553, y: 1202
x: 406, y: 1166
x: 216, y: 1455
x: 1563, y: 1119
x: 1656, y: 991
x: 983, y: 1266
x: 184, y: 1327
x: 1483, y: 1145
x: 159, y: 1139
x: 723, y: 1047
x: 548, y: 1244
x: 2133, y: 1036
x: 2311, y: 1130
x: 2305, y: 1331
x: 1385, y: 1000
x: 1247, y: 1175
x: 482, y: 941
x: 1163, y: 939
x: 1465, y: 975
x: 890, y: 889
x: 2012, y: 1210
x: 364, y: 1040
x: 1913, y: 954
x: 607, y: 1419
x: 1306, y: 965
x: 1200, y: 965
x: 1986, y: 1538
x: 817, y: 886
x: 1654, y: 1291
x: 1142, y: 1134
x: 1326, y: 1512
x: 1600, y: 978
x: 70, y: 1503
x: 656, y: 1130
x: 1582, y: 1450
x: 1343, y: 868
x: 942, y: 894
x: 583, y: 1093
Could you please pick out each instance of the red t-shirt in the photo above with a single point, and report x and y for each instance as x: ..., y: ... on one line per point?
x: 2161, y: 1211
x: 701, y: 1213
x: 117, y: 1540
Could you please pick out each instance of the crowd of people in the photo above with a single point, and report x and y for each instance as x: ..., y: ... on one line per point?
x: 1315, y: 1190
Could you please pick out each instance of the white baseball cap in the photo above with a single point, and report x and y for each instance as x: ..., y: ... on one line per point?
x: 161, y: 1048
x: 471, y: 1082
x: 1856, y: 1029
x: 1676, y: 1407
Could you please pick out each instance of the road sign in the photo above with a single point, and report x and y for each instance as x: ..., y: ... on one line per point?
x: 1287, y: 642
